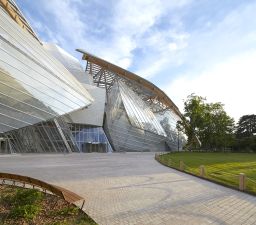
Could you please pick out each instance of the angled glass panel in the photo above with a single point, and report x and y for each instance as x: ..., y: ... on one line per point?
x: 138, y: 112
x: 168, y: 121
x: 72, y: 64
x: 34, y: 86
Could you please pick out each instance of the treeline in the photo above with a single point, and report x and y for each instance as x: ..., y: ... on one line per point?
x: 208, y: 127
x: 245, y: 134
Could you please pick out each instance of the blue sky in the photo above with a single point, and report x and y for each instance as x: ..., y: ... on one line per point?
x: 206, y: 47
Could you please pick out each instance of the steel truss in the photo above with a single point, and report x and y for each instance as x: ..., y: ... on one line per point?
x: 105, y: 78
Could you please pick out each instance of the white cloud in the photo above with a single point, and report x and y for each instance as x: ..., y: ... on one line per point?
x: 130, y: 25
x: 231, y: 82
x: 168, y: 42
x: 133, y: 27
x: 201, y: 47
x: 68, y: 18
x: 167, y: 46
x: 221, y: 64
x: 131, y: 19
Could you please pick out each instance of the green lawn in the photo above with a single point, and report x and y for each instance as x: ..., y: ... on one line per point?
x: 221, y: 167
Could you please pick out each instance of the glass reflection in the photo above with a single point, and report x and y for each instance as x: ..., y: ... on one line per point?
x: 138, y: 112
x: 34, y: 86
x: 90, y: 138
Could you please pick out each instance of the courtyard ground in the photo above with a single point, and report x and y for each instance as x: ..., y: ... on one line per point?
x: 133, y: 188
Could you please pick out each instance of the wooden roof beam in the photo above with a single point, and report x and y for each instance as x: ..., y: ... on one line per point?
x: 131, y: 76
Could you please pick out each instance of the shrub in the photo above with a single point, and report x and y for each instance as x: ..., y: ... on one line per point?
x: 27, y: 197
x: 68, y: 211
x: 27, y: 212
x: 25, y: 203
x: 245, y: 144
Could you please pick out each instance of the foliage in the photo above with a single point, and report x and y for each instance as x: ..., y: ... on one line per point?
x: 26, y: 206
x: 25, y: 203
x: 27, y: 212
x: 245, y: 144
x: 84, y: 220
x: 59, y: 223
x: 246, y: 126
x: 27, y: 197
x: 207, y: 121
x: 67, y: 211
x: 246, y: 134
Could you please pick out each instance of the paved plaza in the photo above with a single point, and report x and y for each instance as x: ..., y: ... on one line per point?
x: 132, y: 188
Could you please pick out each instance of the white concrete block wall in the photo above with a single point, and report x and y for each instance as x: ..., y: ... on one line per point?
x: 94, y: 113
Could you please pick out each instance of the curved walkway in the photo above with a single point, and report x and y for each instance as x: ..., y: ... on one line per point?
x: 132, y: 188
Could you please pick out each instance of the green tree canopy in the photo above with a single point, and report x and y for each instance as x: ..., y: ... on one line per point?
x: 246, y: 134
x: 206, y: 121
x: 246, y: 126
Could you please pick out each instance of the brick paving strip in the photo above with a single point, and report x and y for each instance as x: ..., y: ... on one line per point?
x: 132, y: 188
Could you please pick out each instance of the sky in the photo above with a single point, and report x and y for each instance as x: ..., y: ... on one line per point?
x: 206, y: 47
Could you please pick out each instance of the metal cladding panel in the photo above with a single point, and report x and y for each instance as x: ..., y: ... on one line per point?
x: 33, y: 85
x: 71, y: 63
x: 94, y: 113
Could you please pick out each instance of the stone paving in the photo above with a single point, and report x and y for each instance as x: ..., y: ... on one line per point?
x: 132, y: 188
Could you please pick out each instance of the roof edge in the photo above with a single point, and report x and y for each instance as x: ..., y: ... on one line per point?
x: 162, y: 97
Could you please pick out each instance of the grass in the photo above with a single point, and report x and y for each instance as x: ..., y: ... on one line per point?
x: 29, y: 206
x: 220, y: 167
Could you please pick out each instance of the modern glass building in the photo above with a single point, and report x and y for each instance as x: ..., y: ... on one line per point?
x: 49, y: 103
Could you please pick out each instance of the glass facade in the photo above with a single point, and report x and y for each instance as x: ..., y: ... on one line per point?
x: 34, y: 86
x: 40, y: 83
x: 168, y: 121
x: 124, y: 135
x: 90, y: 138
x: 47, y: 137
x: 138, y: 112
x: 71, y: 63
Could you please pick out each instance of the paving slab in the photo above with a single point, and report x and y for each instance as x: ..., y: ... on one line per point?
x: 133, y: 188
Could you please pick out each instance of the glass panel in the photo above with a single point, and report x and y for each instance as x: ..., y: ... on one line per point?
x: 6, y: 110
x: 31, y: 47
x: 168, y: 119
x: 123, y: 135
x: 34, y: 86
x: 42, y: 137
x: 22, y: 70
x: 138, y: 112
x: 37, y: 109
x: 71, y: 63
x: 89, y: 138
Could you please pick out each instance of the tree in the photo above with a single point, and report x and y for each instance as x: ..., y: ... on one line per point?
x: 218, y: 127
x: 246, y: 134
x: 192, y: 120
x: 208, y: 122
x: 246, y: 126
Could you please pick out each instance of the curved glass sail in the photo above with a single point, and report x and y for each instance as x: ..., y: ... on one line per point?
x: 138, y: 112
x: 168, y: 121
x: 34, y: 86
x: 71, y: 63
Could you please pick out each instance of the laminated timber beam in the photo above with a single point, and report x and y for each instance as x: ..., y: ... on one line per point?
x: 162, y: 97
x: 16, y: 15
